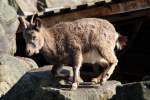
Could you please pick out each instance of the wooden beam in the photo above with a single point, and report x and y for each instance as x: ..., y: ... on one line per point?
x: 115, y: 12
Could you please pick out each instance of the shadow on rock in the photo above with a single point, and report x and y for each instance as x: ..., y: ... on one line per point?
x: 40, y: 84
x: 133, y: 91
x: 31, y: 86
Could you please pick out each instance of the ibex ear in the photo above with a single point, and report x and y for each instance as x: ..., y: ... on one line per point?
x: 37, y: 23
x: 24, y: 23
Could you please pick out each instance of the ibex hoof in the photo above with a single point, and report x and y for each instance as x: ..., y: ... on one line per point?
x: 103, y: 81
x: 74, y: 86
x: 95, y: 81
x: 80, y: 80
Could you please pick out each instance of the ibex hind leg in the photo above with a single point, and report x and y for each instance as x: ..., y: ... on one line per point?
x: 113, y: 61
x: 105, y: 65
x: 109, y: 63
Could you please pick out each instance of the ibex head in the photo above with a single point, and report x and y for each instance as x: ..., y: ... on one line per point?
x: 32, y: 34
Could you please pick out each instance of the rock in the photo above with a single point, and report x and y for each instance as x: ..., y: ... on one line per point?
x: 9, y: 24
x: 40, y: 84
x: 146, y: 78
x: 29, y: 63
x: 15, y: 6
x: 133, y: 91
x: 4, y: 47
x: 12, y: 69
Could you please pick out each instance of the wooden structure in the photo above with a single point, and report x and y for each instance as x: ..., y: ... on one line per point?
x: 53, y: 11
x: 101, y: 7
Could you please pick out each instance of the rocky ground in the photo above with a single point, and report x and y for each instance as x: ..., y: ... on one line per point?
x: 40, y: 84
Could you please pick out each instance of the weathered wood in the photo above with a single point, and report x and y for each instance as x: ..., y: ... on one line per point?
x: 30, y: 7
x: 115, y: 12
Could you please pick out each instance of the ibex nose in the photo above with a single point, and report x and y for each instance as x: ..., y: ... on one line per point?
x: 28, y: 52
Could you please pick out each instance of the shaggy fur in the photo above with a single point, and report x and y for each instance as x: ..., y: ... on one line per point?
x: 89, y: 40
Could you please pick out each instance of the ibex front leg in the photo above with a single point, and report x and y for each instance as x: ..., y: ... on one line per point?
x: 77, y: 63
x: 56, y: 70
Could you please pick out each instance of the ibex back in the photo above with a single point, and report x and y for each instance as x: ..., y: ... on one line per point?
x: 89, y: 40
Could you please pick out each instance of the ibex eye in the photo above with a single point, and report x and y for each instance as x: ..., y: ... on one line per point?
x: 37, y: 29
x: 34, y: 37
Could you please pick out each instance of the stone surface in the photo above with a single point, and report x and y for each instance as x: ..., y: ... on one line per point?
x: 8, y: 25
x: 40, y: 84
x: 133, y: 91
x: 4, y: 47
x: 29, y: 63
x: 12, y: 69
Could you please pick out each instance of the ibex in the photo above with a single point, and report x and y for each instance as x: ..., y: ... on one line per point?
x: 87, y: 40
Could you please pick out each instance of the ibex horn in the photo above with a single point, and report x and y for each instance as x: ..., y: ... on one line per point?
x: 33, y: 18
x: 23, y: 21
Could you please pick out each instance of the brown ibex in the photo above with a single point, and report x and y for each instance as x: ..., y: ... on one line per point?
x: 87, y: 40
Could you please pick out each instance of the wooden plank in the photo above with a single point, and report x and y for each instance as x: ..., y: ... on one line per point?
x: 69, y: 3
x: 115, y: 12
x: 29, y: 7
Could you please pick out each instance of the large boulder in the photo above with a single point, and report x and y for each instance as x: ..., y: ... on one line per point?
x: 133, y: 91
x: 40, y: 84
x: 12, y: 69
x: 4, y: 47
x: 8, y: 27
